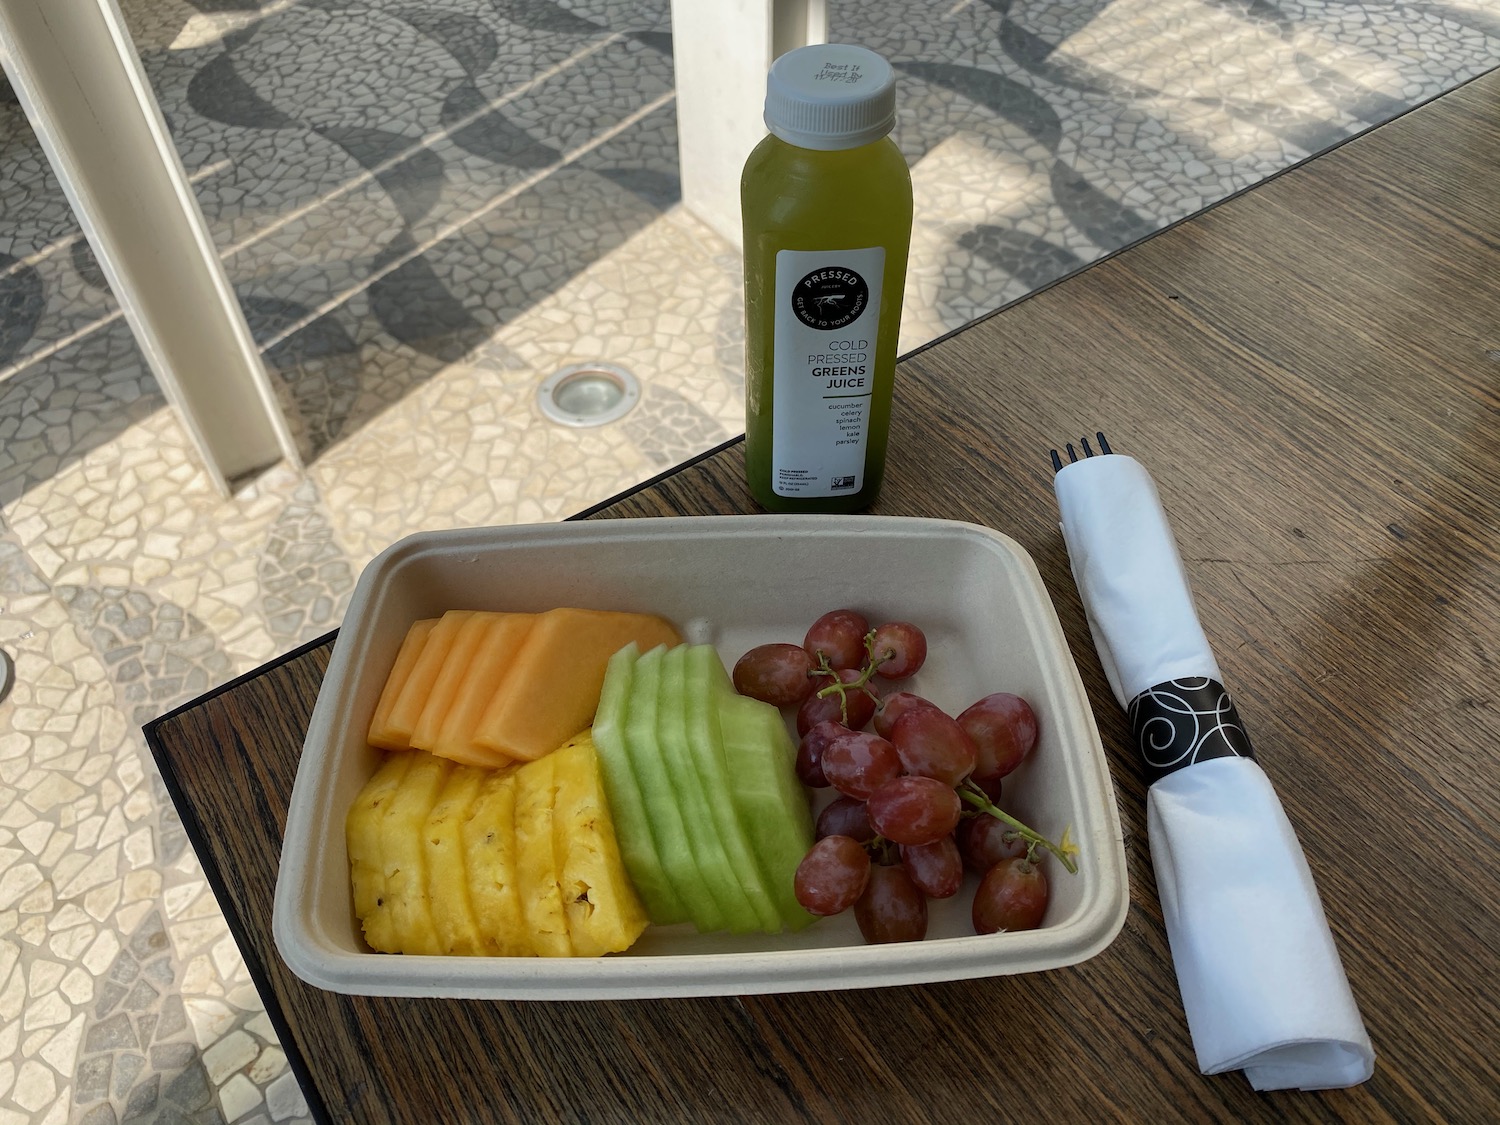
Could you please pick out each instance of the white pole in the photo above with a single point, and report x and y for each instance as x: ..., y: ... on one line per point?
x: 720, y: 53
x: 80, y: 82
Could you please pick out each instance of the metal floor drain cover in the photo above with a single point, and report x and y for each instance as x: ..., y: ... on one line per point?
x: 588, y: 394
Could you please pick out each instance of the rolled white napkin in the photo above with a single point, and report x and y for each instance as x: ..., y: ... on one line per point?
x: 1261, y: 981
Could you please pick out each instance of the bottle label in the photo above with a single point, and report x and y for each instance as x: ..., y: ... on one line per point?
x: 827, y: 314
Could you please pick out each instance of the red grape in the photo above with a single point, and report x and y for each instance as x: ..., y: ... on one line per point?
x: 913, y: 810
x: 1003, y: 727
x: 845, y: 816
x: 832, y: 875
x: 891, y: 908
x: 810, y: 753
x: 901, y: 649
x: 840, y: 636
x: 933, y: 745
x: 893, y: 706
x: 857, y: 763
x: 982, y: 842
x: 817, y: 709
x: 1011, y: 896
x: 778, y: 674
x: 936, y: 869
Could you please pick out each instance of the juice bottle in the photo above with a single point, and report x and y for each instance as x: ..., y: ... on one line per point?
x: 826, y: 203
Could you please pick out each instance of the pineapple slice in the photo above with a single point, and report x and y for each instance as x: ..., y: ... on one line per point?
x: 364, y: 832
x: 541, y: 896
x: 489, y: 846
x: 404, y: 858
x: 442, y: 838
x: 600, y: 904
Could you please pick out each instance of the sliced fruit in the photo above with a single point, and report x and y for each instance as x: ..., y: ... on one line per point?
x: 403, y: 856
x: 536, y: 860
x: 449, y: 677
x: 627, y: 803
x: 693, y: 800
x: 364, y: 831
x: 424, y: 673
x: 668, y: 831
x: 381, y: 734
x: 768, y: 799
x: 447, y: 879
x: 705, y: 683
x: 552, y: 690
x: 604, y: 915
x: 491, y: 660
x: 490, y: 864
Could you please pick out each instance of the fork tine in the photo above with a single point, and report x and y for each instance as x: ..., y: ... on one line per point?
x: 1103, y: 445
x: 1072, y: 454
x: 1056, y: 462
x: 1088, y: 450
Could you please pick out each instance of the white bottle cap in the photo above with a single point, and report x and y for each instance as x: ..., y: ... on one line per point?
x: 830, y: 96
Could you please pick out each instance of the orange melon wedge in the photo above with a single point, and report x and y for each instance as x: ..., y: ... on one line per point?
x: 382, y: 734
x: 552, y: 688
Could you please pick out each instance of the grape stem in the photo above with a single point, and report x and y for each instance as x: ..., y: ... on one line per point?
x: 826, y: 669
x: 1066, y: 851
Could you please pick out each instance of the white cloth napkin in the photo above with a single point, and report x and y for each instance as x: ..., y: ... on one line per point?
x: 1261, y: 981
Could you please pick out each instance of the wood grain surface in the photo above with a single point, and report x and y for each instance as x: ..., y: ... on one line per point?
x: 1310, y: 373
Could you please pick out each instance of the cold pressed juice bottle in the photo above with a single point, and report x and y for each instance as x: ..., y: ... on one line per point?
x: 826, y: 203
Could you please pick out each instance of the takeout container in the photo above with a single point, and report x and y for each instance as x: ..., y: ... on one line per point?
x: 734, y: 582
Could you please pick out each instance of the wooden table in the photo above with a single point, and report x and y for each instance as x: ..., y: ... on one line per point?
x: 1310, y: 372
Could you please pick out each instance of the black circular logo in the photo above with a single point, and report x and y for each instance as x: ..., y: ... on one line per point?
x: 830, y: 298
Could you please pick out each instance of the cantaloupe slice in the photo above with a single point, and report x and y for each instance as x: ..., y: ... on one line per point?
x: 381, y: 734
x: 503, y: 637
x: 424, y: 673
x: 449, y: 679
x: 552, y: 689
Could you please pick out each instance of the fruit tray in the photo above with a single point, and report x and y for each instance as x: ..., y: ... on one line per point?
x: 733, y: 582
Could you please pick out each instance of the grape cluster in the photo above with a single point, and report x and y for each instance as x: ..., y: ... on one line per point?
x: 918, y: 795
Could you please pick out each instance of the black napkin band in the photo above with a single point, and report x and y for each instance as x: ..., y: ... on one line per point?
x: 1183, y: 722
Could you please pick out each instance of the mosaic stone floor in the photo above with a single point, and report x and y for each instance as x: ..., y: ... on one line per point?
x: 426, y: 210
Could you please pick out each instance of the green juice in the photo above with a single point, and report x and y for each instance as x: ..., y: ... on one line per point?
x: 826, y: 235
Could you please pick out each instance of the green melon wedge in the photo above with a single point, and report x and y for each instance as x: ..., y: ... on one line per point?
x: 768, y: 798
x: 696, y: 801
x: 627, y: 803
x: 668, y: 828
x: 705, y: 682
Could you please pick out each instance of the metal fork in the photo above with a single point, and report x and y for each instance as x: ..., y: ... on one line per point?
x: 1087, y: 451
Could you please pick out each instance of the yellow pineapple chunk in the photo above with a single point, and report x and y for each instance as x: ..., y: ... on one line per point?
x: 452, y: 908
x: 541, y: 896
x: 404, y: 857
x: 364, y: 834
x: 603, y: 913
x: 489, y: 843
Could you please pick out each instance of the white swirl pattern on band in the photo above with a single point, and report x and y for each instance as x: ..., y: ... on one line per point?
x: 1182, y: 722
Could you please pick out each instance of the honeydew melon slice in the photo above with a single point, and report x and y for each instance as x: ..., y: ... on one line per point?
x: 669, y: 831
x: 768, y: 798
x: 694, y: 801
x: 627, y: 804
x: 705, y: 683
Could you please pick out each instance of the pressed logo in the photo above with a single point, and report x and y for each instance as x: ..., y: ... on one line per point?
x: 830, y: 298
